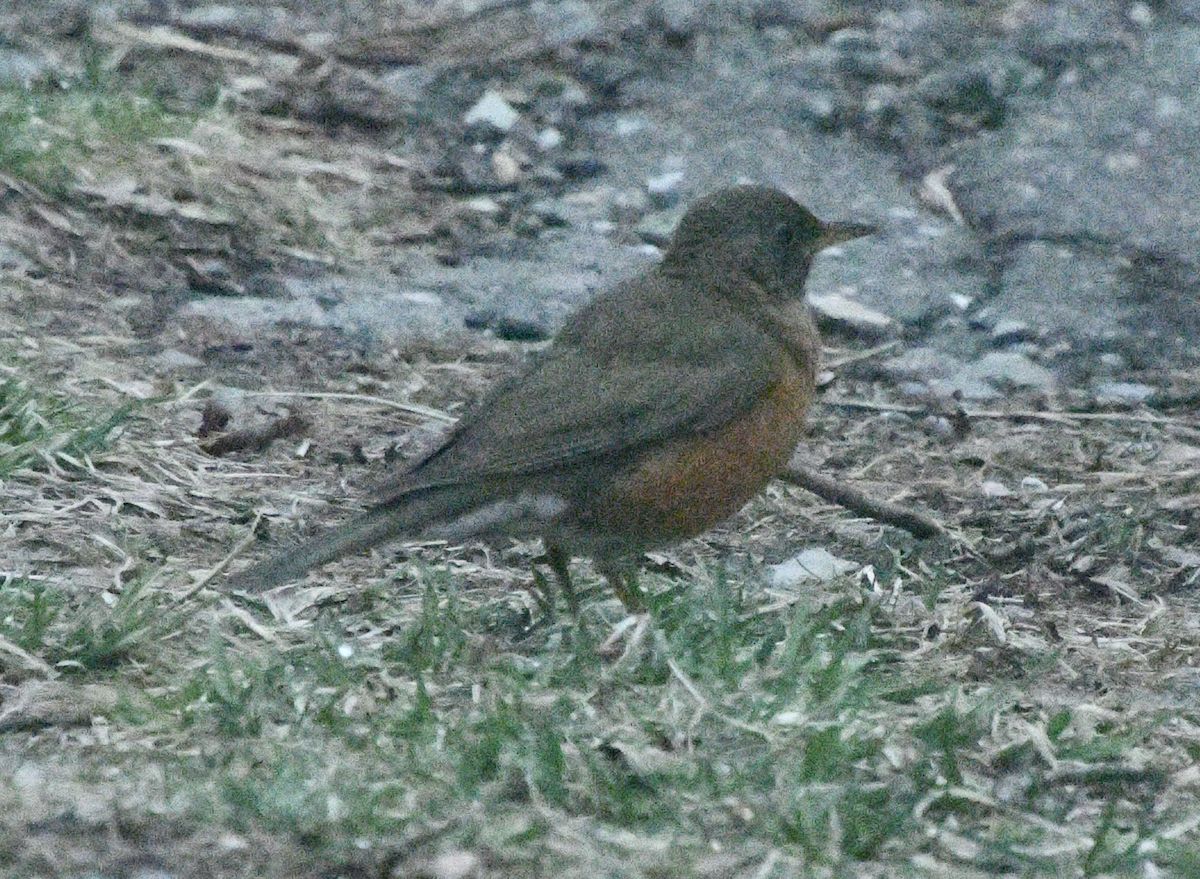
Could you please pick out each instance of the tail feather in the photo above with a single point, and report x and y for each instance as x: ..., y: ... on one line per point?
x: 377, y: 525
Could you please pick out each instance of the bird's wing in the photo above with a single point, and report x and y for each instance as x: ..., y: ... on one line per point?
x: 572, y: 406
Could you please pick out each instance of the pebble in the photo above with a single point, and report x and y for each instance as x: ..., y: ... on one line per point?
x: 920, y: 364
x: 664, y: 184
x: 493, y: 110
x: 1005, y: 369
x: 991, y: 488
x: 549, y: 139
x: 628, y: 206
x: 457, y: 864
x: 814, y: 563
x: 506, y: 168
x: 1127, y: 393
x: 173, y: 358
x: 550, y: 213
x: 656, y: 228
x: 482, y: 205
x: 1008, y: 331
x: 938, y: 426
x: 848, y: 313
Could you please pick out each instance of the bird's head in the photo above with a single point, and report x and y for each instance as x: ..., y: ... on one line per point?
x: 758, y: 232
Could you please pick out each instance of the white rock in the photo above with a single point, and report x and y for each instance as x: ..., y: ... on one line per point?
x: 844, y: 310
x: 814, y: 563
x: 493, y: 110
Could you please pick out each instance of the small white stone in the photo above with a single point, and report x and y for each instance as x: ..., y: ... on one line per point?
x: 664, y: 183
x: 493, y: 110
x: 991, y: 488
x: 549, y: 139
x: 814, y: 563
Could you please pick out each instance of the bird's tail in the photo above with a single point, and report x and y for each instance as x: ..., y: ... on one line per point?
x: 377, y: 525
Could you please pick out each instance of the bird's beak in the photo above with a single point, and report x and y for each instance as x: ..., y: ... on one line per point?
x: 836, y: 233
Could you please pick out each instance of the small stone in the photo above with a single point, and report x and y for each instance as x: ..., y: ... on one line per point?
x: 657, y: 228
x: 914, y: 390
x: 1007, y: 332
x: 1141, y: 14
x: 1005, y: 369
x: 454, y: 865
x: 1032, y: 483
x: 506, y: 168
x: 664, y: 184
x: 814, y: 563
x: 1127, y: 393
x: 1083, y: 565
x: 846, y: 312
x: 548, y: 139
x: 173, y: 358
x: 982, y: 319
x: 991, y: 488
x: 817, y: 106
x: 482, y: 205
x: 938, y: 426
x: 627, y: 126
x: 629, y: 206
x: 678, y: 16
x: 493, y: 110
x: 920, y: 365
x: 550, y: 212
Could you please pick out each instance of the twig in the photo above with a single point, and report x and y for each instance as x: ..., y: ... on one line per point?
x: 1030, y: 414
x: 862, y: 355
x: 31, y: 662
x: 843, y: 495
x: 224, y: 563
x: 248, y: 621
x: 412, y: 408
x: 706, y: 706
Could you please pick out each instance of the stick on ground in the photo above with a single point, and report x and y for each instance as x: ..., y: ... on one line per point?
x: 916, y: 524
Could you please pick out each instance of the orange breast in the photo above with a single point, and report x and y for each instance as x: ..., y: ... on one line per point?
x: 689, y: 485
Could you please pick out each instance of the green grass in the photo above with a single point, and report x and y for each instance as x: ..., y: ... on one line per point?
x: 48, y: 130
x: 37, y: 426
x: 796, y: 731
x: 414, y: 717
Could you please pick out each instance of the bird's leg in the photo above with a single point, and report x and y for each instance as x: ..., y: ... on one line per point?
x: 624, y: 585
x: 559, y: 560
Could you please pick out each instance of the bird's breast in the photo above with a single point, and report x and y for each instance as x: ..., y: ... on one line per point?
x: 685, y: 486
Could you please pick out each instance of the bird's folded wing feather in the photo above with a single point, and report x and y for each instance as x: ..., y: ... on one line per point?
x: 573, y: 407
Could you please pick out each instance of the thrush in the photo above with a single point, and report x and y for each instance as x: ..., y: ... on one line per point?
x: 659, y: 410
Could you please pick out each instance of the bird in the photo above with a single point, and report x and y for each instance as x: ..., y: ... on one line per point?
x: 658, y: 411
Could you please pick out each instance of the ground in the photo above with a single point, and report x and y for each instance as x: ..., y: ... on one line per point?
x: 1015, y: 696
